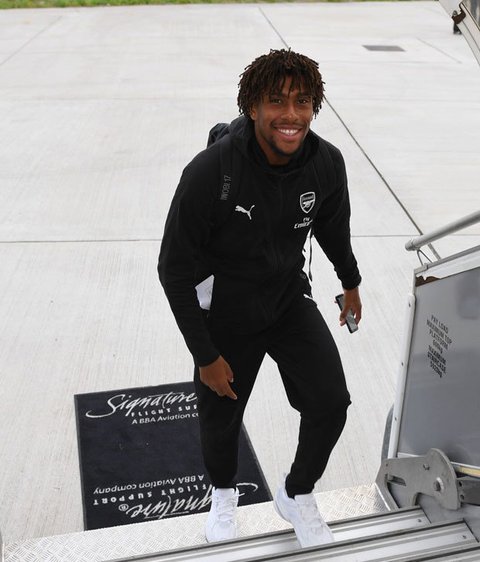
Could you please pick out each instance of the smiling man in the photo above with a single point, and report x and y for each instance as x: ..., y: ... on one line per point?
x: 231, y: 264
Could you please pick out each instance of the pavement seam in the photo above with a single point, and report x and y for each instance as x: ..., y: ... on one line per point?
x: 380, y: 175
x: 134, y: 240
x: 80, y: 241
x: 51, y: 24
x: 439, y: 50
x: 274, y: 28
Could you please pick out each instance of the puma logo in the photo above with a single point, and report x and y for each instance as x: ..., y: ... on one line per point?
x: 242, y: 210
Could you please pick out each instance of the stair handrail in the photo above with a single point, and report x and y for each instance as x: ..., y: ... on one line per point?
x: 416, y: 243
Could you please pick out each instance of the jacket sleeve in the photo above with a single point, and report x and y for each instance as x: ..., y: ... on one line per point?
x: 187, y: 230
x: 331, y: 226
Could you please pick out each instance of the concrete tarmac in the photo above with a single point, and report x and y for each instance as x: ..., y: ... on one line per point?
x: 100, y: 110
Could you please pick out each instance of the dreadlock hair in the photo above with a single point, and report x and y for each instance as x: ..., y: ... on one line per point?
x: 267, y: 74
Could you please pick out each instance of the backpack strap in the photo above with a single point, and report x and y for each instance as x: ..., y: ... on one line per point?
x: 228, y: 182
x: 219, y: 133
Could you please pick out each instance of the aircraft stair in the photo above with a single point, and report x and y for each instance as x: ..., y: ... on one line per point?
x: 402, y: 535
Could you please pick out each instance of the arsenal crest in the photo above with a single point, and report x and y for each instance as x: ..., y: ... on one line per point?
x: 307, y: 201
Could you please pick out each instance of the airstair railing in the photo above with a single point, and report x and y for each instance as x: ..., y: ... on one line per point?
x: 416, y: 243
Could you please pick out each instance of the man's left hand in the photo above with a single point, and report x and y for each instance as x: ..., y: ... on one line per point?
x: 351, y: 302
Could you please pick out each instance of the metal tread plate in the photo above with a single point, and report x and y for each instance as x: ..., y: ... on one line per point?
x: 169, y: 534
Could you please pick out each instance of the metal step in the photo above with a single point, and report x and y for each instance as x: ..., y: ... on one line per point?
x: 400, y: 546
x: 281, y: 542
x: 467, y: 554
x: 406, y: 544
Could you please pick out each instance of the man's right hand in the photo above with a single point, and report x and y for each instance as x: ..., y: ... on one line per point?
x: 218, y: 376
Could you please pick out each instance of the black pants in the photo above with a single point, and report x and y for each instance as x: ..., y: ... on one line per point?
x: 309, y: 364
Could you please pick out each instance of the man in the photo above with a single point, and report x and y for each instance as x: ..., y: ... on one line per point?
x: 282, y: 182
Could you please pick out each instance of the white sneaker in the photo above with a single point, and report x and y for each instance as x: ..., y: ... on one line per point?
x: 302, y: 512
x: 221, y: 521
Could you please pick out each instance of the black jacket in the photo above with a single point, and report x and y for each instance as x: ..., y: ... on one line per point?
x: 256, y: 254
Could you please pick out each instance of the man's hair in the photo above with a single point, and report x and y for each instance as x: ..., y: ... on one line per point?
x: 267, y: 74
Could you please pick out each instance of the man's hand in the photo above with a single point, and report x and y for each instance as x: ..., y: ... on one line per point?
x: 351, y: 302
x: 218, y: 376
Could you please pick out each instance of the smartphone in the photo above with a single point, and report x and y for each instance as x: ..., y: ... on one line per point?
x: 350, y: 319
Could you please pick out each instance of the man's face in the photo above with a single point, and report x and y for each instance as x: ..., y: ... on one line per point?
x: 282, y: 121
